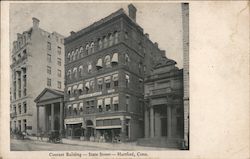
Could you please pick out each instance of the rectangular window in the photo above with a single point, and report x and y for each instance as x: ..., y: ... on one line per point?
x: 19, y: 109
x: 108, y: 107
x: 48, y: 82
x: 100, y: 87
x: 116, y: 107
x: 59, y: 73
x: 24, y: 107
x: 59, y: 61
x: 107, y: 85
x: 59, y: 84
x: 59, y: 50
x: 116, y: 83
x: 49, y: 46
x: 48, y: 69
x: 48, y: 57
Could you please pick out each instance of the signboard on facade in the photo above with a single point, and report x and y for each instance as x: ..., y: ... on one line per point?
x: 90, y: 95
x: 73, y: 121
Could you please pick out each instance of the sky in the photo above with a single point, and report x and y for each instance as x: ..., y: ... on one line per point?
x: 162, y: 21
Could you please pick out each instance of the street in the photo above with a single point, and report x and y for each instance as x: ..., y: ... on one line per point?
x: 35, y: 145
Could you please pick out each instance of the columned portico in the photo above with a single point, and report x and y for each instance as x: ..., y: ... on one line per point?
x: 52, y: 102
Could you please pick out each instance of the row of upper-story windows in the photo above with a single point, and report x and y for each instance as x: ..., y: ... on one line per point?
x: 49, y: 83
x: 19, y: 56
x: 93, y: 106
x: 20, y: 109
x: 91, y: 47
x: 89, y: 86
x: 109, y: 61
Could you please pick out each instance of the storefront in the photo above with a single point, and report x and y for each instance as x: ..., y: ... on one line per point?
x: 74, y: 127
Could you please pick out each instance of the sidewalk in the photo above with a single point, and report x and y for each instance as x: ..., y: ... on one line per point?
x: 129, y: 146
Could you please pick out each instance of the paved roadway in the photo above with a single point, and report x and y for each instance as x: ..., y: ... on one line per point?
x: 31, y: 145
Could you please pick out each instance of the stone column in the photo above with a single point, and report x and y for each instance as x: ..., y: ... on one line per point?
x: 146, y: 123
x: 61, y: 117
x: 45, y: 118
x: 152, y: 127
x: 52, y: 117
x: 169, y: 121
x: 37, y: 118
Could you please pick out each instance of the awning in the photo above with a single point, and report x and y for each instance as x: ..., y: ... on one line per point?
x: 115, y: 100
x: 115, y: 77
x: 107, y: 79
x: 75, y: 87
x: 74, y: 106
x: 99, y: 103
x: 99, y: 81
x: 87, y: 85
x: 115, y: 57
x: 80, y: 67
x: 107, y: 101
x: 69, y: 55
x: 69, y: 106
x: 75, y: 69
x: 80, y: 105
x: 99, y: 63
x: 73, y: 121
x: 80, y: 86
x: 91, y: 83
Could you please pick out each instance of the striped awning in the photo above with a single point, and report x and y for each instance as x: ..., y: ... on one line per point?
x: 115, y: 57
x: 74, y: 105
x: 99, y: 102
x: 107, y: 101
x: 115, y: 100
x: 80, y: 86
x: 87, y: 85
x: 99, y: 63
x: 80, y: 105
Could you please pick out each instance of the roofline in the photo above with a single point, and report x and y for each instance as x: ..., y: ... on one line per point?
x: 57, y: 92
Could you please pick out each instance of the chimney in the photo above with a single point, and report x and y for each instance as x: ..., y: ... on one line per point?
x: 35, y: 23
x: 147, y: 35
x: 132, y: 11
x: 156, y: 44
x: 72, y: 33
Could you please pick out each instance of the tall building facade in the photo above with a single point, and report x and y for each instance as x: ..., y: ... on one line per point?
x: 105, y: 67
x: 37, y: 62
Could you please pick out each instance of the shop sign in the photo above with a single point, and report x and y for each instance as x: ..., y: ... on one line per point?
x: 73, y: 120
x: 90, y: 95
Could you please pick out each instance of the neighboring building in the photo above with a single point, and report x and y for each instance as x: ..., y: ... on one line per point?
x: 37, y: 62
x: 105, y: 67
x: 185, y: 25
x: 164, y: 106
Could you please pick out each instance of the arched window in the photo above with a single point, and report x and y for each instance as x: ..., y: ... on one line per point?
x: 80, y: 70
x: 81, y: 52
x: 69, y: 56
x: 100, y: 44
x: 114, y: 60
x: 116, y: 37
x: 107, y: 60
x: 87, y: 49
x: 92, y: 47
x: 75, y: 72
x: 105, y: 42
x: 69, y: 74
x: 76, y: 53
x: 72, y: 55
x: 89, y: 68
x: 111, y: 39
x: 127, y: 59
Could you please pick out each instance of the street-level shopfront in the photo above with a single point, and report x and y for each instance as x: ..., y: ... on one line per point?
x: 99, y: 129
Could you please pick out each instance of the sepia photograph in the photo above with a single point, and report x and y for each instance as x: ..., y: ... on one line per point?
x: 87, y: 80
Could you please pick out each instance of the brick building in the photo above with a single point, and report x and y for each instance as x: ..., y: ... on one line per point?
x: 37, y: 62
x: 105, y: 67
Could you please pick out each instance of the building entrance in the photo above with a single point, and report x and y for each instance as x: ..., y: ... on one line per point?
x: 164, y: 126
